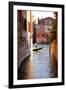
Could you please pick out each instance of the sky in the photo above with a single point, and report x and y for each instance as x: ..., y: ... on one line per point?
x: 42, y: 14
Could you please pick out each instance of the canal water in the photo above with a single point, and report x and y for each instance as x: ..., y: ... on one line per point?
x: 38, y: 65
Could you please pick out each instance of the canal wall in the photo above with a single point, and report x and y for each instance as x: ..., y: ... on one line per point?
x: 53, y: 51
x: 22, y: 55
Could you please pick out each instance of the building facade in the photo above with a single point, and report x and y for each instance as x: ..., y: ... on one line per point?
x: 43, y: 28
x: 23, y: 35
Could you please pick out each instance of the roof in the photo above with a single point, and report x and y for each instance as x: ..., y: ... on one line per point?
x: 44, y: 19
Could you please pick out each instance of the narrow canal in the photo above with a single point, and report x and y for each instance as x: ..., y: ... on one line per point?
x: 38, y: 65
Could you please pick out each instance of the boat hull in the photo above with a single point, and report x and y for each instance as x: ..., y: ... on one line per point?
x: 37, y: 49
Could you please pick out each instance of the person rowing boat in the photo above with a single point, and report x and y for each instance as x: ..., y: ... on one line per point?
x: 36, y: 48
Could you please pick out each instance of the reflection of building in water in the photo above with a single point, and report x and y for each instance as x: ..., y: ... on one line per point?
x: 43, y: 28
x: 24, y: 33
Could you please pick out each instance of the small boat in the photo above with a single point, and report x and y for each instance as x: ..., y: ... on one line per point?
x: 36, y: 49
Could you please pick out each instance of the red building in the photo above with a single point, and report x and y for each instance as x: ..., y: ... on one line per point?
x: 43, y: 28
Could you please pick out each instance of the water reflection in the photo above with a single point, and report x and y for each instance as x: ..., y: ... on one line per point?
x: 39, y: 66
